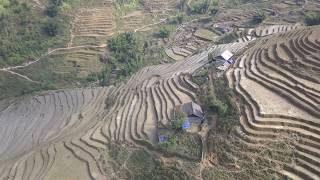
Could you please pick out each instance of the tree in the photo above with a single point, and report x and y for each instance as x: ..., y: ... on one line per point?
x: 164, y: 32
x: 177, y: 120
x: 3, y: 7
x: 51, y: 28
x: 178, y: 19
x: 259, y: 17
x: 210, y: 56
x: 52, y: 11
x: 204, y: 6
x: 312, y: 19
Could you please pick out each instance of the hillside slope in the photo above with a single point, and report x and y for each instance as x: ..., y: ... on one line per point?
x: 278, y: 79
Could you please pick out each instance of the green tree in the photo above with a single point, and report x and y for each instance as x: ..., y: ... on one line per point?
x: 164, y: 32
x: 179, y: 18
x: 177, y: 120
x: 3, y: 7
x: 52, y: 11
x: 312, y: 18
x: 259, y: 17
x: 204, y: 6
x: 51, y: 28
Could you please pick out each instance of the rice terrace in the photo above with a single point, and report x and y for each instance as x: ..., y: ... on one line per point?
x: 159, y: 89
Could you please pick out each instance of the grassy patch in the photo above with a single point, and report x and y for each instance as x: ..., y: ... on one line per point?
x: 141, y: 162
x: 22, y: 35
x: 236, y: 160
x: 218, y: 101
x: 125, y: 6
x: 312, y: 18
x: 185, y: 144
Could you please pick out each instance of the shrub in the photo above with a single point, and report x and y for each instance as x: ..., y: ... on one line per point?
x: 164, y: 32
x: 178, y: 19
x: 216, y: 105
x: 204, y: 6
x: 259, y: 17
x: 177, y: 120
x: 170, y: 144
x: 3, y: 7
x: 52, y: 11
x: 51, y: 28
x: 312, y: 19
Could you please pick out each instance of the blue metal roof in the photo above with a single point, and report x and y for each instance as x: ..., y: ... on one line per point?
x: 186, y: 124
x: 163, y: 138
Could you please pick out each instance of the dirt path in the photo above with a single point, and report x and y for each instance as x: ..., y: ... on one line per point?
x: 149, y: 25
x: 51, y: 52
x: 69, y: 46
x: 20, y: 75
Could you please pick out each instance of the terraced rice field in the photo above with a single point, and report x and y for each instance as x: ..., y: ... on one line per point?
x: 134, y: 20
x: 90, y: 30
x: 44, y: 135
x: 95, y: 23
x: 61, y: 134
x: 233, y: 16
x: 273, y: 29
x: 160, y: 5
x: 83, y: 61
x: 279, y: 80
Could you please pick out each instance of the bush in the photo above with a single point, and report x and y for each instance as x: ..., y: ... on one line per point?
x: 259, y: 17
x: 125, y: 57
x: 22, y: 34
x: 177, y: 120
x: 164, y: 32
x: 178, y: 19
x: 52, y: 11
x: 312, y: 19
x: 204, y: 6
x: 170, y: 144
x: 215, y: 105
x: 51, y: 28
x: 3, y: 7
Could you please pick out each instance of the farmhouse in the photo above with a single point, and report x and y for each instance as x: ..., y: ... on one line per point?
x: 194, y: 117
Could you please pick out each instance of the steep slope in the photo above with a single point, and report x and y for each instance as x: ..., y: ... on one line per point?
x: 278, y: 79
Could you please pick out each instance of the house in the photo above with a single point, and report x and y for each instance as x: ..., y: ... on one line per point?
x: 224, y: 56
x: 194, y: 117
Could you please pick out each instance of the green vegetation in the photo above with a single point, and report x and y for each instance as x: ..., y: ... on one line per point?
x: 4, y: 4
x: 141, y: 162
x: 237, y: 160
x: 135, y: 163
x: 186, y: 144
x: 178, y: 18
x: 177, y: 120
x: 51, y: 28
x: 125, y: 6
x: 232, y: 158
x: 164, y: 32
x: 259, y: 17
x: 125, y: 57
x: 55, y: 6
x: 312, y: 18
x: 204, y: 6
x: 25, y: 35
x: 218, y: 101
x: 110, y: 100
x: 235, y: 3
x: 227, y: 38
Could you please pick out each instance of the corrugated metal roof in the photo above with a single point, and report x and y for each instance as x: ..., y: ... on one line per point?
x: 226, y: 55
x: 192, y: 108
